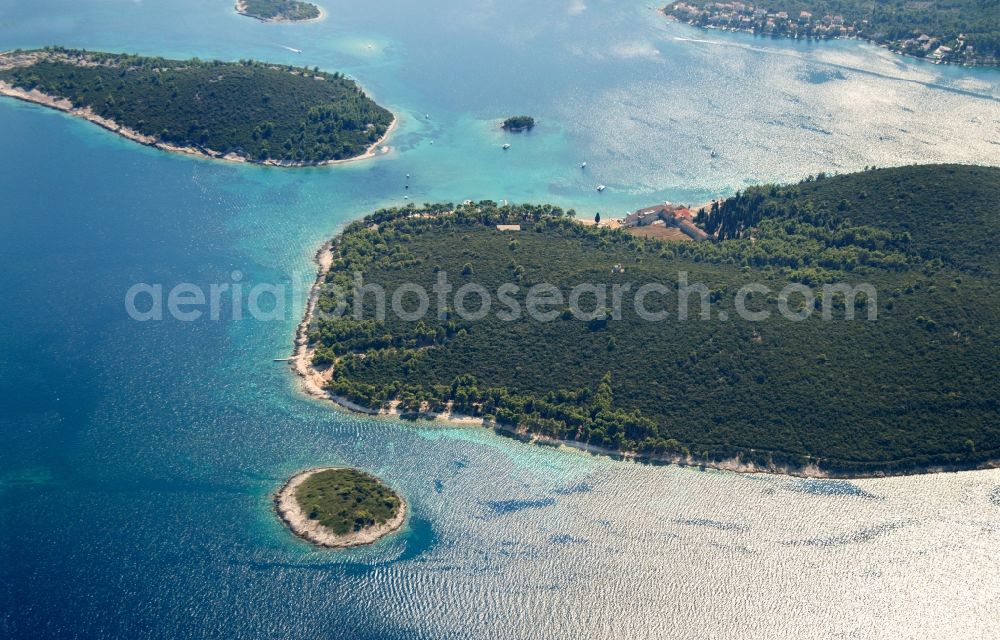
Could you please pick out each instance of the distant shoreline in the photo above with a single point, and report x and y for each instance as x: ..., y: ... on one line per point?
x: 312, y: 383
x: 241, y: 9
x: 61, y: 104
x: 287, y: 507
x: 785, y: 36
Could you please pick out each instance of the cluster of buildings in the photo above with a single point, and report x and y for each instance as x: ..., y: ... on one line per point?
x: 668, y: 215
x: 739, y: 16
x: 938, y: 50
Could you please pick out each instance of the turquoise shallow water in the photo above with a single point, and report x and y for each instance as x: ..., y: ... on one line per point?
x: 137, y: 460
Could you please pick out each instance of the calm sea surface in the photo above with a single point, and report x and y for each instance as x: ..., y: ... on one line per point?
x: 137, y: 460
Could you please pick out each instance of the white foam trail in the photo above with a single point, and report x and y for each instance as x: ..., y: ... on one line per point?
x: 697, y: 40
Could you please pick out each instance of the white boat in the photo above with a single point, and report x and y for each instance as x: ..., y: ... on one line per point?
x: 506, y: 146
x: 583, y: 165
x: 601, y: 187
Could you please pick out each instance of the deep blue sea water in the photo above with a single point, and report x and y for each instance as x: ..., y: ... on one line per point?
x: 137, y: 460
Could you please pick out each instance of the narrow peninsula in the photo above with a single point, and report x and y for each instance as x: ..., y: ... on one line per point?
x: 959, y: 31
x: 902, y: 377
x: 242, y: 111
x: 280, y: 10
x: 338, y: 508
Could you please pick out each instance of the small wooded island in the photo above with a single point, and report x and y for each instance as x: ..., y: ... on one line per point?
x: 244, y: 111
x: 338, y: 507
x: 279, y: 10
x: 517, y: 124
x: 914, y: 390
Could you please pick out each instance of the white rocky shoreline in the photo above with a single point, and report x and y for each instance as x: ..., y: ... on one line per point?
x: 287, y: 507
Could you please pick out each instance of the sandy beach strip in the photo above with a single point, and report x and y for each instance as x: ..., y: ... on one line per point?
x: 288, y: 509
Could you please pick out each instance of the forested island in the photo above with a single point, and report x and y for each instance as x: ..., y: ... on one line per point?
x: 519, y: 123
x: 913, y: 390
x: 339, y: 507
x: 246, y: 111
x: 955, y: 31
x: 279, y: 10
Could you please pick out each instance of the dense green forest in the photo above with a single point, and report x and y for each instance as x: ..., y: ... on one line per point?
x: 943, y: 214
x: 969, y: 29
x: 259, y: 111
x: 346, y: 500
x: 291, y: 10
x: 917, y: 386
